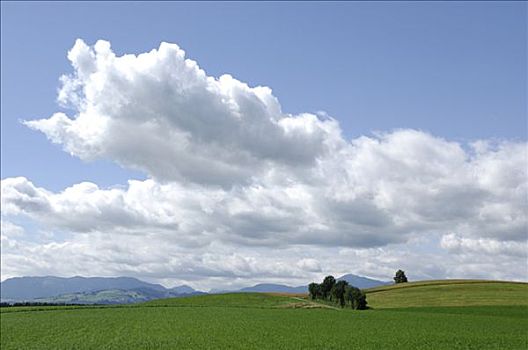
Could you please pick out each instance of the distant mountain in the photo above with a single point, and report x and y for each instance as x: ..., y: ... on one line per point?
x: 274, y: 288
x: 357, y: 281
x: 220, y: 291
x: 182, y: 290
x: 107, y: 296
x: 114, y: 296
x: 362, y: 282
x: 112, y: 290
x: 31, y: 288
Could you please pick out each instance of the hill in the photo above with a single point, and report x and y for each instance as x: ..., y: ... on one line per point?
x: 448, y: 293
x: 115, y: 296
x: 110, y: 290
x: 355, y: 280
x: 362, y: 282
x: 183, y: 289
x: 274, y: 288
x: 266, y: 321
x: 82, y: 288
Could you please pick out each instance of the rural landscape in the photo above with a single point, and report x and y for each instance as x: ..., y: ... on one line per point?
x: 442, y: 314
x: 278, y: 175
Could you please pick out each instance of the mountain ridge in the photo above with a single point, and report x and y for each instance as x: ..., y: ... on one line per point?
x: 355, y: 280
x: 110, y: 290
x: 42, y: 287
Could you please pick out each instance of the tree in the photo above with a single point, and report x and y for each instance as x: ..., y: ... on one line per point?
x: 326, y: 286
x: 338, y: 292
x: 349, y: 295
x: 315, y: 290
x: 356, y: 298
x: 361, y: 301
x: 400, y: 277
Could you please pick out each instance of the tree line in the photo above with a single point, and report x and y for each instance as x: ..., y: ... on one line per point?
x: 36, y: 303
x: 344, y: 294
x: 339, y: 292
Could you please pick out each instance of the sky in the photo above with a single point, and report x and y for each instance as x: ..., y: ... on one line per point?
x: 224, y: 144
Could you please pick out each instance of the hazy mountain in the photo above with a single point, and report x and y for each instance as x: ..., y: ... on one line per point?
x: 114, y: 296
x: 111, y: 290
x: 362, y: 282
x: 107, y: 296
x: 274, y: 288
x: 182, y: 289
x: 29, y: 288
x: 355, y: 280
x: 221, y: 291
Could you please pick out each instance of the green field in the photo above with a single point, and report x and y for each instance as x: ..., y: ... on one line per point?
x: 239, y: 300
x: 448, y: 293
x: 263, y: 321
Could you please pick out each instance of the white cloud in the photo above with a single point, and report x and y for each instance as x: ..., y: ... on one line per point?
x: 483, y: 246
x: 308, y: 264
x: 234, y: 180
x: 161, y: 113
x: 11, y: 230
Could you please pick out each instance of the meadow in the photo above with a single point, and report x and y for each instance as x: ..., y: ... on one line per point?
x: 265, y: 321
x: 449, y: 293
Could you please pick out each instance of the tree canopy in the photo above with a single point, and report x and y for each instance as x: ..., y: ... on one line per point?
x: 400, y: 277
x: 339, y: 292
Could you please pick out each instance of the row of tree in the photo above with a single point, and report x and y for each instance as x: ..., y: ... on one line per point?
x: 339, y: 292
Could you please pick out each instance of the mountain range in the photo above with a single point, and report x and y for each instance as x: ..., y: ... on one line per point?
x: 86, y: 290
x: 362, y: 282
x: 122, y: 290
x: 357, y: 281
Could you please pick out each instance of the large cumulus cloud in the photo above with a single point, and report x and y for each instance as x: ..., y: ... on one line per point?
x: 234, y: 179
x: 159, y: 112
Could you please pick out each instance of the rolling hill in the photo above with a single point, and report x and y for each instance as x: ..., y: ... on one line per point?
x: 496, y: 319
x: 448, y: 293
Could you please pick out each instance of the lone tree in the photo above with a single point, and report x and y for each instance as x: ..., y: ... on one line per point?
x: 400, y: 277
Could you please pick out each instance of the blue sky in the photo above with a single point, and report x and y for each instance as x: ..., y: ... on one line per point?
x: 457, y: 70
x: 395, y: 135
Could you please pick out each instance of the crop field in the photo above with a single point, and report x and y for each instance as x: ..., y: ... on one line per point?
x: 263, y: 321
x: 448, y: 293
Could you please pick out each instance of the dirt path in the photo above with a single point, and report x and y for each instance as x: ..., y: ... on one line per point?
x: 312, y: 305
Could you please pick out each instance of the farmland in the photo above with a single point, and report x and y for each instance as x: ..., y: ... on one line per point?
x: 264, y: 321
x: 449, y: 293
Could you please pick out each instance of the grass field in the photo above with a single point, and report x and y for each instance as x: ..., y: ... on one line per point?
x: 448, y: 293
x: 263, y: 321
x: 253, y: 300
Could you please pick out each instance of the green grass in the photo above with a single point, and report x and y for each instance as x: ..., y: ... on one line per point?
x: 262, y: 321
x: 254, y: 300
x: 448, y: 293
x: 247, y: 328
